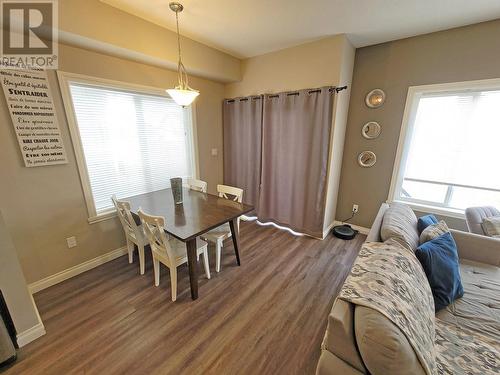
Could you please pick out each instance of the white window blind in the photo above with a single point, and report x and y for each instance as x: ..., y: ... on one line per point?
x: 133, y: 142
x: 452, y: 157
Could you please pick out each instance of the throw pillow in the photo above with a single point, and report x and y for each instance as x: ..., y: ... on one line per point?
x: 433, y: 231
x: 439, y: 259
x: 400, y: 224
x: 425, y: 221
x: 491, y: 226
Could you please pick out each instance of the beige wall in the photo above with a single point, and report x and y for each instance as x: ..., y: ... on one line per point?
x: 95, y: 20
x: 466, y: 53
x: 309, y: 65
x: 45, y: 205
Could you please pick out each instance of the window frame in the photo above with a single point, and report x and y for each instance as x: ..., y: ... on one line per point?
x: 65, y: 79
x: 415, y: 93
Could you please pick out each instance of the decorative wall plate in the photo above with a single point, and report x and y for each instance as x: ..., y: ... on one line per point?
x: 371, y: 130
x: 367, y: 159
x: 375, y: 98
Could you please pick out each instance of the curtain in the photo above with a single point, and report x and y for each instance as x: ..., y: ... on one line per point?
x: 295, y: 147
x: 242, y: 145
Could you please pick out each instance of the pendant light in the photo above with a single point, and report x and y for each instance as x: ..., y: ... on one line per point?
x: 182, y: 93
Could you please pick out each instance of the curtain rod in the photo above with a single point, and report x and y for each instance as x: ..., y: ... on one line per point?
x: 339, y: 89
x: 336, y: 89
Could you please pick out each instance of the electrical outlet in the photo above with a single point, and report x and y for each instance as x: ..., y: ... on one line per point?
x: 71, y: 241
x: 355, y: 208
x: 215, y: 152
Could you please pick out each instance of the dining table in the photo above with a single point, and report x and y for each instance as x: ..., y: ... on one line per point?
x: 197, y: 214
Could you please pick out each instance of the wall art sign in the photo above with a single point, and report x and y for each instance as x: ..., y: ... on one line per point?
x: 31, y: 108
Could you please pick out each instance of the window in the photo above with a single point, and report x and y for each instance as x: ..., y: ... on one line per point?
x: 128, y: 140
x: 448, y: 152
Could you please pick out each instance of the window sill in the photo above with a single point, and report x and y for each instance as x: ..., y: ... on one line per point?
x: 102, y: 217
x: 443, y: 211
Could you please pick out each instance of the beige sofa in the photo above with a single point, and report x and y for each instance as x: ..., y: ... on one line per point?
x: 345, y: 349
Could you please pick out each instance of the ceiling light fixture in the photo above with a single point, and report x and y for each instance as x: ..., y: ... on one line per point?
x: 182, y: 93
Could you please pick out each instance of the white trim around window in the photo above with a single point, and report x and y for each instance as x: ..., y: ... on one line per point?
x: 415, y: 93
x: 65, y: 79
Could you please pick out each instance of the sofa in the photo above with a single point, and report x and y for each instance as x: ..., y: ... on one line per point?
x: 476, y: 215
x: 359, y: 340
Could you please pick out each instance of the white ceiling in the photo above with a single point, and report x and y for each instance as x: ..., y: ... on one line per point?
x: 246, y: 28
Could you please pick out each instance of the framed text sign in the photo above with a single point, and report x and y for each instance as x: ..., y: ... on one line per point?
x: 31, y: 108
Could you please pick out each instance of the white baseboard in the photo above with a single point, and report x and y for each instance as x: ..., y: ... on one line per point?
x: 30, y: 334
x: 328, y: 229
x: 75, y: 270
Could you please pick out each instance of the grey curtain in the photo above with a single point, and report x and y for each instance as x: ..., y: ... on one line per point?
x: 242, y: 145
x: 295, y: 147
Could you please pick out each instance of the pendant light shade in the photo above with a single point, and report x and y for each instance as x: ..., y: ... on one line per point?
x: 182, y: 93
x: 183, y: 97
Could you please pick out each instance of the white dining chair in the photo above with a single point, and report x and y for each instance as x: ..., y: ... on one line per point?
x: 197, y: 185
x: 169, y: 251
x: 219, y: 234
x: 134, y: 233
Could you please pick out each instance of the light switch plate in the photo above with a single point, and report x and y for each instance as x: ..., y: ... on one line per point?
x: 215, y: 152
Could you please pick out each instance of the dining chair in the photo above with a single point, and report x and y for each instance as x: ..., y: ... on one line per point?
x: 134, y: 233
x: 168, y: 250
x: 197, y: 185
x: 219, y: 234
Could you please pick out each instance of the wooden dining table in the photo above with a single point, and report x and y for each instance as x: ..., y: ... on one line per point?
x: 197, y: 214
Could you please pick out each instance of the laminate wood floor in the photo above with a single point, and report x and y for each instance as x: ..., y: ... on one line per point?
x: 266, y: 317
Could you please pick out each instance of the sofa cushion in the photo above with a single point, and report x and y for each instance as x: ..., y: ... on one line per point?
x: 479, y: 308
x: 400, y: 224
x: 433, y: 231
x: 425, y: 221
x: 491, y: 226
x: 388, y: 278
x: 330, y: 364
x: 339, y: 337
x: 384, y: 348
x: 462, y: 351
x: 478, y: 248
x: 439, y: 259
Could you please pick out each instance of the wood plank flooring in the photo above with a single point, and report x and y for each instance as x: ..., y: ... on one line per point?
x: 266, y: 317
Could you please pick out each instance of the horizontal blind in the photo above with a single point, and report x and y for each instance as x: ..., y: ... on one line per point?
x: 133, y: 142
x: 456, y: 139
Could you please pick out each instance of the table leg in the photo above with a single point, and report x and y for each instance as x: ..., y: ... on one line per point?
x: 193, y: 267
x: 236, y: 241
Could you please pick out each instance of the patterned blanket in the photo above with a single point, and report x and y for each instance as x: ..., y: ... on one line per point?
x: 389, y: 279
x: 462, y: 351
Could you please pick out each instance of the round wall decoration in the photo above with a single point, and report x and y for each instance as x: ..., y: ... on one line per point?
x: 371, y: 130
x: 367, y: 159
x: 375, y: 98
